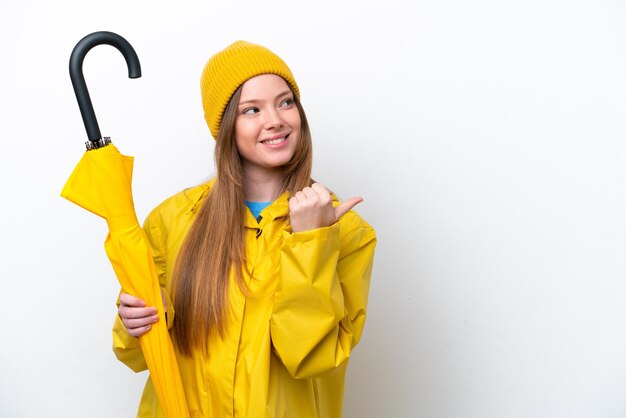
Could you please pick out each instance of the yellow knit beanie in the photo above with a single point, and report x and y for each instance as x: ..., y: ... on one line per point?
x: 230, y: 68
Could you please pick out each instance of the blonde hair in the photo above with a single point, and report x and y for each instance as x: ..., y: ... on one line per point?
x: 215, y: 244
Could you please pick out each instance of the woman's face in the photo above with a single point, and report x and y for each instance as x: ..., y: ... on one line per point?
x: 267, y: 126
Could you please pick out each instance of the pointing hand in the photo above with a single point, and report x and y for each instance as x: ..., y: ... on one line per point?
x: 312, y: 208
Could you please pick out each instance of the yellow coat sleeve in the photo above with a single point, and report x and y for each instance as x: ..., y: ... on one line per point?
x: 127, y: 348
x: 321, y: 299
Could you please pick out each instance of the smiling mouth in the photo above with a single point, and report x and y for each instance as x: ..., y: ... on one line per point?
x: 275, y: 141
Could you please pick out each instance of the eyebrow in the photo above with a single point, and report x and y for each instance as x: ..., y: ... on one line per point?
x: 284, y: 93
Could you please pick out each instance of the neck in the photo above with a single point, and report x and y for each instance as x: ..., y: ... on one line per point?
x: 263, y: 185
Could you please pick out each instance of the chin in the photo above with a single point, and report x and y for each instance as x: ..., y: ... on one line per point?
x: 278, y: 164
x: 279, y: 161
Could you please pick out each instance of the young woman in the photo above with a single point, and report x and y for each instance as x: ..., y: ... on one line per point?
x: 265, y: 274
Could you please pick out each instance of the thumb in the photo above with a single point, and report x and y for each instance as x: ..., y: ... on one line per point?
x: 346, y: 206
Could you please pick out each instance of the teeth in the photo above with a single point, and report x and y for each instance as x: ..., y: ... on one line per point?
x: 275, y: 141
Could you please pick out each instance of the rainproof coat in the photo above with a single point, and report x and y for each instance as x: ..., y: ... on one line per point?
x: 287, y: 342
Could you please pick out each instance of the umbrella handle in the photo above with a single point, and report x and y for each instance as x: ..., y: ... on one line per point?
x: 78, y: 80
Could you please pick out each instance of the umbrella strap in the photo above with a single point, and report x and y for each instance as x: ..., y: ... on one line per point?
x: 98, y: 143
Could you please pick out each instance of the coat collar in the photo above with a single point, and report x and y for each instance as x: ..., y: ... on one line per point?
x: 277, y: 209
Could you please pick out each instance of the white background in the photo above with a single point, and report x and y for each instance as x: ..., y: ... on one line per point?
x: 486, y: 137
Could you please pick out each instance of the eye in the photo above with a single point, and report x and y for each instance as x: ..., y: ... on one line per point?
x: 287, y: 102
x: 250, y: 111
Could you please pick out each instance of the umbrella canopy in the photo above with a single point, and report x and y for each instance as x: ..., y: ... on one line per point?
x: 101, y: 183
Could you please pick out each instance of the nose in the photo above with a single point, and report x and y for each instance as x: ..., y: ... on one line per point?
x: 273, y: 120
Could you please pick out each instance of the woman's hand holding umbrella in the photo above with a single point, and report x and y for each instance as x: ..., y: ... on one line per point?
x: 136, y: 316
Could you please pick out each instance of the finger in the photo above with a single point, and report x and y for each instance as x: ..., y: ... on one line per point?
x: 309, y: 193
x: 320, y: 189
x: 300, y: 196
x: 292, y: 203
x: 127, y: 312
x: 138, y: 332
x: 322, y: 192
x: 140, y: 323
x: 346, y: 206
x: 129, y: 300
